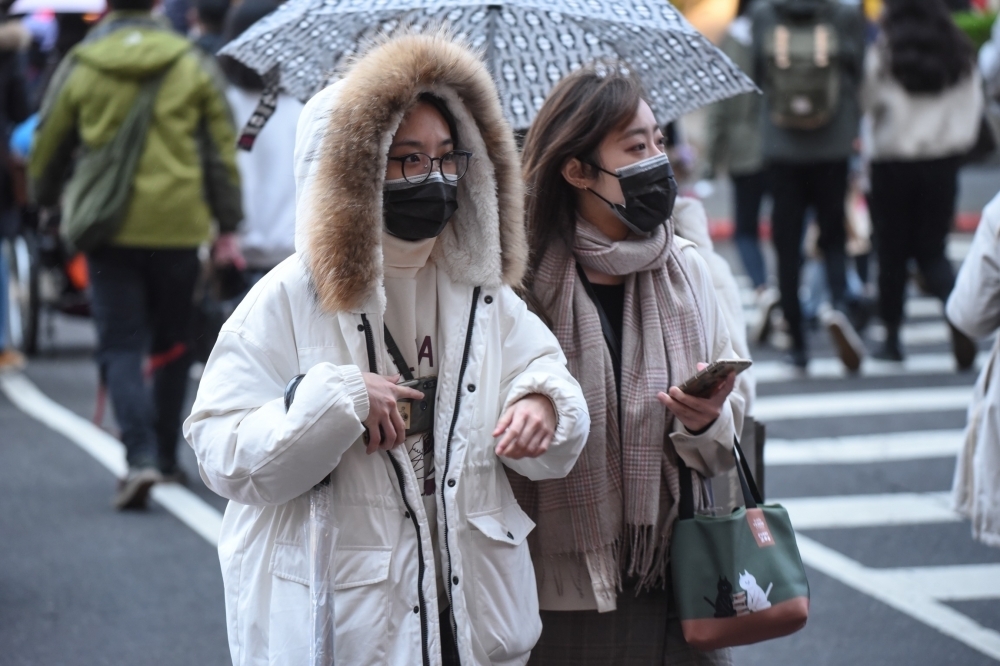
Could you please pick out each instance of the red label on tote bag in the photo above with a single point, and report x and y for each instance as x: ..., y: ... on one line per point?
x: 758, y: 526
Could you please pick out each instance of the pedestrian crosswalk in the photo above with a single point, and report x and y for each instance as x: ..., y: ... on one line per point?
x: 830, y: 426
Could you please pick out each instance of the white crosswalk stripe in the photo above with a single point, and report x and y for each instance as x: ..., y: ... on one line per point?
x: 841, y: 511
x: 862, y: 403
x: 770, y: 372
x: 884, y: 447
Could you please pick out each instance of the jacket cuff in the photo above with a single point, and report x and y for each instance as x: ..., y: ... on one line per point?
x: 357, y: 390
x: 709, y: 453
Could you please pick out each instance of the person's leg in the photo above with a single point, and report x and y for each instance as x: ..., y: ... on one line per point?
x: 891, y: 205
x: 119, y: 306
x: 787, y: 218
x: 828, y: 191
x: 939, y: 192
x: 748, y: 192
x: 172, y: 275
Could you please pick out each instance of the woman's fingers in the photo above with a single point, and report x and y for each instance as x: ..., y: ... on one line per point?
x: 406, y: 392
x: 504, y: 422
x: 512, y: 434
x: 398, y: 429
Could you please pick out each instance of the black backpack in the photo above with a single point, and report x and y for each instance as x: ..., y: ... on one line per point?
x: 802, y: 66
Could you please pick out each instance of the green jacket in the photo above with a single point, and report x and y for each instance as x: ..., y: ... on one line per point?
x: 733, y: 131
x: 187, y: 173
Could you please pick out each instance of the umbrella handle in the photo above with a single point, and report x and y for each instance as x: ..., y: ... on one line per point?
x: 322, y: 535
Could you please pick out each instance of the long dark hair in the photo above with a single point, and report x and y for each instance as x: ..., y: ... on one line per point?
x: 579, y: 112
x: 927, y: 52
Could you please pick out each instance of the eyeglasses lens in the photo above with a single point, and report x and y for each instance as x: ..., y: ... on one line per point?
x: 417, y: 167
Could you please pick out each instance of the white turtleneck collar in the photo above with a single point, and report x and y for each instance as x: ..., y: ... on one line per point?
x: 403, y: 258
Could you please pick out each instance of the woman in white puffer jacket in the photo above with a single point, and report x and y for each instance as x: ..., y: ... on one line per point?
x: 431, y: 561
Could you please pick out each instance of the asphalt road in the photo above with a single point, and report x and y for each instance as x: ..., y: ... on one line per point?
x: 896, y: 578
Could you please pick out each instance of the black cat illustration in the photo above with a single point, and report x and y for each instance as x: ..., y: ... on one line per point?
x: 723, y: 600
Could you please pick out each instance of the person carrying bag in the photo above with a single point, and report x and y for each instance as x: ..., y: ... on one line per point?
x: 97, y: 195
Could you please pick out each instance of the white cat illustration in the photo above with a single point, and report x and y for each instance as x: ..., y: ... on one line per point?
x: 756, y: 597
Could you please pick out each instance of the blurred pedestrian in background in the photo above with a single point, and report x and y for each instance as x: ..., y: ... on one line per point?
x: 924, y: 101
x: 143, y: 278
x: 207, y: 19
x: 733, y: 145
x: 974, y: 307
x: 635, y: 310
x: 267, y: 235
x: 14, y: 39
x: 989, y: 68
x: 808, y: 57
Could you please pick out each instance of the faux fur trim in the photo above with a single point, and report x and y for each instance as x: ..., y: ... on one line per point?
x: 483, y: 244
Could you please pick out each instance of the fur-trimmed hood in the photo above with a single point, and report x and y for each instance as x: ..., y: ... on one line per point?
x: 342, y: 142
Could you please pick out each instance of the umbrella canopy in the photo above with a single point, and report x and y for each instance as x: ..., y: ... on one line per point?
x: 528, y: 44
x: 58, y: 6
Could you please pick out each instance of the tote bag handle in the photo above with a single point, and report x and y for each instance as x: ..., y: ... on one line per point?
x: 751, y: 495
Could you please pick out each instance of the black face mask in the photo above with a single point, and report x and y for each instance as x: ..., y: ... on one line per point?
x: 415, y: 212
x: 650, y: 191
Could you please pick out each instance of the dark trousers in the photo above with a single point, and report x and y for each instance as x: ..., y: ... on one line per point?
x: 748, y: 193
x: 795, y: 188
x: 142, y: 304
x: 643, y: 631
x: 913, y: 204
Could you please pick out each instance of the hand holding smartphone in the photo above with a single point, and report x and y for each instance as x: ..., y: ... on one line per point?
x: 704, y: 381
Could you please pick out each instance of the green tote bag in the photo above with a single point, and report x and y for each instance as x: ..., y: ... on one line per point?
x: 738, y: 578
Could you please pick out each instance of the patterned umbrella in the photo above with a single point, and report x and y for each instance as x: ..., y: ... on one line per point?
x: 529, y: 46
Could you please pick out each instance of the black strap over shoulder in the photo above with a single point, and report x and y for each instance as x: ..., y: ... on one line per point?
x: 397, y: 356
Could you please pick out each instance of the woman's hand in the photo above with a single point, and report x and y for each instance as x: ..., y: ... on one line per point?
x: 385, y: 426
x: 527, y: 428
x: 697, y: 414
x: 226, y: 251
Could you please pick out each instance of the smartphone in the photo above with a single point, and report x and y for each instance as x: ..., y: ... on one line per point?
x: 703, y: 383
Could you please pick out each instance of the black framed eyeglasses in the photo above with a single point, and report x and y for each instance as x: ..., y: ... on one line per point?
x: 417, y: 167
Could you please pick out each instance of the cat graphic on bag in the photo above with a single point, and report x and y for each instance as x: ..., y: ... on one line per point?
x: 756, y: 597
x: 724, y: 599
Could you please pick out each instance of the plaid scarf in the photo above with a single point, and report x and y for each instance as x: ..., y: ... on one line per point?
x: 618, y: 505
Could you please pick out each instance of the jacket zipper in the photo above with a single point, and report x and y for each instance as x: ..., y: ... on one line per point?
x: 443, y: 479
x: 373, y: 367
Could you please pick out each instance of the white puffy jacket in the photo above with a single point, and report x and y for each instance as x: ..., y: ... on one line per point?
x: 320, y: 313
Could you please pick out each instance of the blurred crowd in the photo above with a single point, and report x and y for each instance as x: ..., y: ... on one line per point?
x: 868, y: 169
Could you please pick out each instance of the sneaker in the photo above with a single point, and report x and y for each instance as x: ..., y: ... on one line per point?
x: 891, y: 349
x: 797, y: 358
x: 12, y: 360
x: 963, y: 347
x: 175, y: 475
x: 849, y: 346
x: 890, y: 352
x: 768, y: 300
x: 133, y: 490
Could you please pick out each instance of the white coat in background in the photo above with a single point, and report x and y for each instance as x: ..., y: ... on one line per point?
x: 974, y: 308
